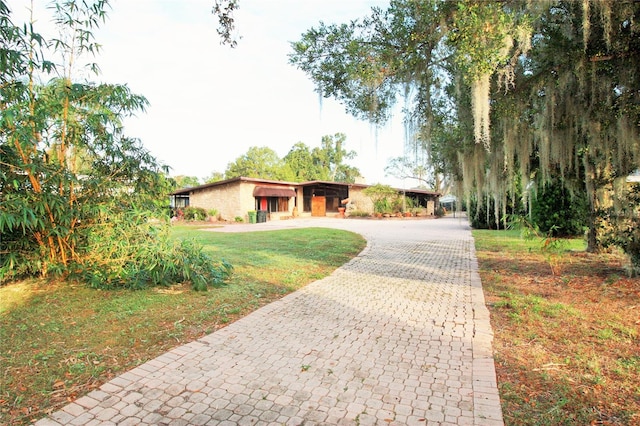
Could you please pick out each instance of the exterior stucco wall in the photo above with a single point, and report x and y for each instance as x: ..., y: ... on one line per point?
x: 235, y: 199
x: 431, y: 208
x: 358, y: 201
x: 226, y: 199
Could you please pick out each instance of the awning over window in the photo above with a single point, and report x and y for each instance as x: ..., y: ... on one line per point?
x: 273, y: 191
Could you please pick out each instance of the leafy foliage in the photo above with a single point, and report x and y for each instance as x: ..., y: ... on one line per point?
x: 258, y: 162
x: 330, y: 158
x: 145, y: 257
x: 300, y: 161
x: 555, y: 210
x: 224, y: 10
x: 194, y: 213
x: 483, y: 215
x: 382, y: 196
x: 327, y: 162
x: 419, y: 169
x: 487, y: 214
x: 182, y: 181
x: 548, y: 88
x: 214, y: 177
x: 620, y: 224
x: 79, y: 195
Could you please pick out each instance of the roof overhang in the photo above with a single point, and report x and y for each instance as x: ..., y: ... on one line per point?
x: 273, y: 191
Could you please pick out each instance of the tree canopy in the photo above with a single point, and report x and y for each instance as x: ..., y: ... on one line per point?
x: 327, y: 162
x: 182, y: 181
x: 258, y: 162
x: 521, y: 92
x: 330, y: 160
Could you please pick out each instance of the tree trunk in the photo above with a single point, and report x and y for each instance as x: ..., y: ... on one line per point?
x: 592, y: 234
x: 589, y: 180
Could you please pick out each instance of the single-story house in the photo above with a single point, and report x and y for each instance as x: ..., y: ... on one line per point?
x: 276, y: 200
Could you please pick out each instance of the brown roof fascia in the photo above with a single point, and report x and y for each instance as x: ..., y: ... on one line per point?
x: 226, y: 181
x: 362, y: 185
x: 294, y: 184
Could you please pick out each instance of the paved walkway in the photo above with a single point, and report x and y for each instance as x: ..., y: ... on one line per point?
x: 399, y: 335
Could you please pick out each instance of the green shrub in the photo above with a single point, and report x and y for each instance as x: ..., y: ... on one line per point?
x: 382, y: 197
x: 238, y: 219
x: 131, y: 252
x: 382, y: 206
x: 483, y: 216
x: 194, y: 213
x: 554, y: 210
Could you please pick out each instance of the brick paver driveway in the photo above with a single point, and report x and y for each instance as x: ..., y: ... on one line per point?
x: 398, y: 336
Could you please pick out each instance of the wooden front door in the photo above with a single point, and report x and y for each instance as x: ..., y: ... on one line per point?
x: 318, y: 206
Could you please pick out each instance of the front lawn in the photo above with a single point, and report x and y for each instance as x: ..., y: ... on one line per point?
x: 60, y: 340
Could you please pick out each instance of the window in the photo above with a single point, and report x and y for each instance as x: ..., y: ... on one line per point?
x: 278, y: 204
x: 180, y: 201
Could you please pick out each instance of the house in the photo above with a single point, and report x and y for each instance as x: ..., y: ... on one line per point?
x: 282, y: 200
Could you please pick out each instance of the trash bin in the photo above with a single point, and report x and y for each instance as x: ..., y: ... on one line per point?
x: 252, y: 216
x: 262, y: 216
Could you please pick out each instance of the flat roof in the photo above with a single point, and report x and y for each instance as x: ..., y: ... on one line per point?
x: 186, y: 191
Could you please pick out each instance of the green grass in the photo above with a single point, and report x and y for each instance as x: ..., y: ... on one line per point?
x: 62, y: 339
x: 533, y: 307
x: 514, y: 241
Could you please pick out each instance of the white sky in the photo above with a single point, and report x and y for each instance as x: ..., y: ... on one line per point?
x: 210, y: 103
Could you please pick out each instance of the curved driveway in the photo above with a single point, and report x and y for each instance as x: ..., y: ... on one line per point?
x: 399, y: 335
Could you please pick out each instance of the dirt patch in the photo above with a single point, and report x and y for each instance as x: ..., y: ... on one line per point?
x: 567, y: 336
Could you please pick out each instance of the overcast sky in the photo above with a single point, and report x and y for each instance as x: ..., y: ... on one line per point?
x: 210, y: 103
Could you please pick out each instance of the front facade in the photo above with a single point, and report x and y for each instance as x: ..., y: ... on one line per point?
x: 276, y: 200
x: 235, y: 197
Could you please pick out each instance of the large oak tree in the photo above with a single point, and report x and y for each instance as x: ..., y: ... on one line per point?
x: 534, y: 91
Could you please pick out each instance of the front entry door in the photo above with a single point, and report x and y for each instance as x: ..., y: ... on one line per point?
x: 318, y: 206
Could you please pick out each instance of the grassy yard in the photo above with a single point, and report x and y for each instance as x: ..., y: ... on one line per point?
x: 567, y: 331
x: 60, y: 340
x: 566, y: 323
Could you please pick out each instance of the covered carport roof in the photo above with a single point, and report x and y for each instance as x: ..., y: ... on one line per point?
x: 419, y: 192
